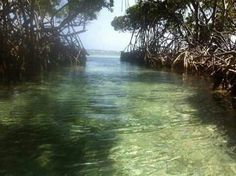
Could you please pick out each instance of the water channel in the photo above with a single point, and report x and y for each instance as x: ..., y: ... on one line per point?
x: 112, y: 118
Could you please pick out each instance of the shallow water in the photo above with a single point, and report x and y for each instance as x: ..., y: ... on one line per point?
x: 112, y: 118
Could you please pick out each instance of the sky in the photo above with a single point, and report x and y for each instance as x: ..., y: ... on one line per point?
x: 101, y: 35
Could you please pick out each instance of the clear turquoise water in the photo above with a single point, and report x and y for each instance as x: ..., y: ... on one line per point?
x: 112, y: 118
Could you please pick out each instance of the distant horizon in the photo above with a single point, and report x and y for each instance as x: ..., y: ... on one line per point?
x: 97, y: 52
x: 102, y: 50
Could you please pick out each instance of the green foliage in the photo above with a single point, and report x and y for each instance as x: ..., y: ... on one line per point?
x: 36, y: 35
x: 128, y: 22
x: 195, y: 23
x: 47, y: 7
x: 89, y: 8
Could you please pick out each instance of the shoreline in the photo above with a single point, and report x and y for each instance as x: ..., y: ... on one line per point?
x: 223, y: 79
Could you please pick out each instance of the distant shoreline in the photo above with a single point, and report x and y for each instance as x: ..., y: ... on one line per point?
x: 104, y: 56
x: 93, y: 52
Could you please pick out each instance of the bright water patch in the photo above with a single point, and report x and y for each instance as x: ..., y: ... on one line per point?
x: 112, y: 118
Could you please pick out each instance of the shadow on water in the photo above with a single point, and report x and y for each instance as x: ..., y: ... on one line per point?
x: 213, y: 108
x: 52, y: 134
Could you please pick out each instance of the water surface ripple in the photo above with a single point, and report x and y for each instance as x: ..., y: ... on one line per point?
x: 112, y: 118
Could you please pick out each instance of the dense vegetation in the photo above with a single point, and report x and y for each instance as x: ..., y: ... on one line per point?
x: 196, y: 36
x: 38, y: 34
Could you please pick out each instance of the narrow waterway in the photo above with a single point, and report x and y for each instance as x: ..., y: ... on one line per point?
x: 112, y: 118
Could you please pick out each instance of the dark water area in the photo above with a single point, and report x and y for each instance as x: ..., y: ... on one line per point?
x: 112, y: 118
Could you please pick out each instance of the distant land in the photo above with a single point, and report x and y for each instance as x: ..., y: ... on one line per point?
x: 103, y: 52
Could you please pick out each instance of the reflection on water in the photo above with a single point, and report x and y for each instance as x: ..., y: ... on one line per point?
x: 115, y: 119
